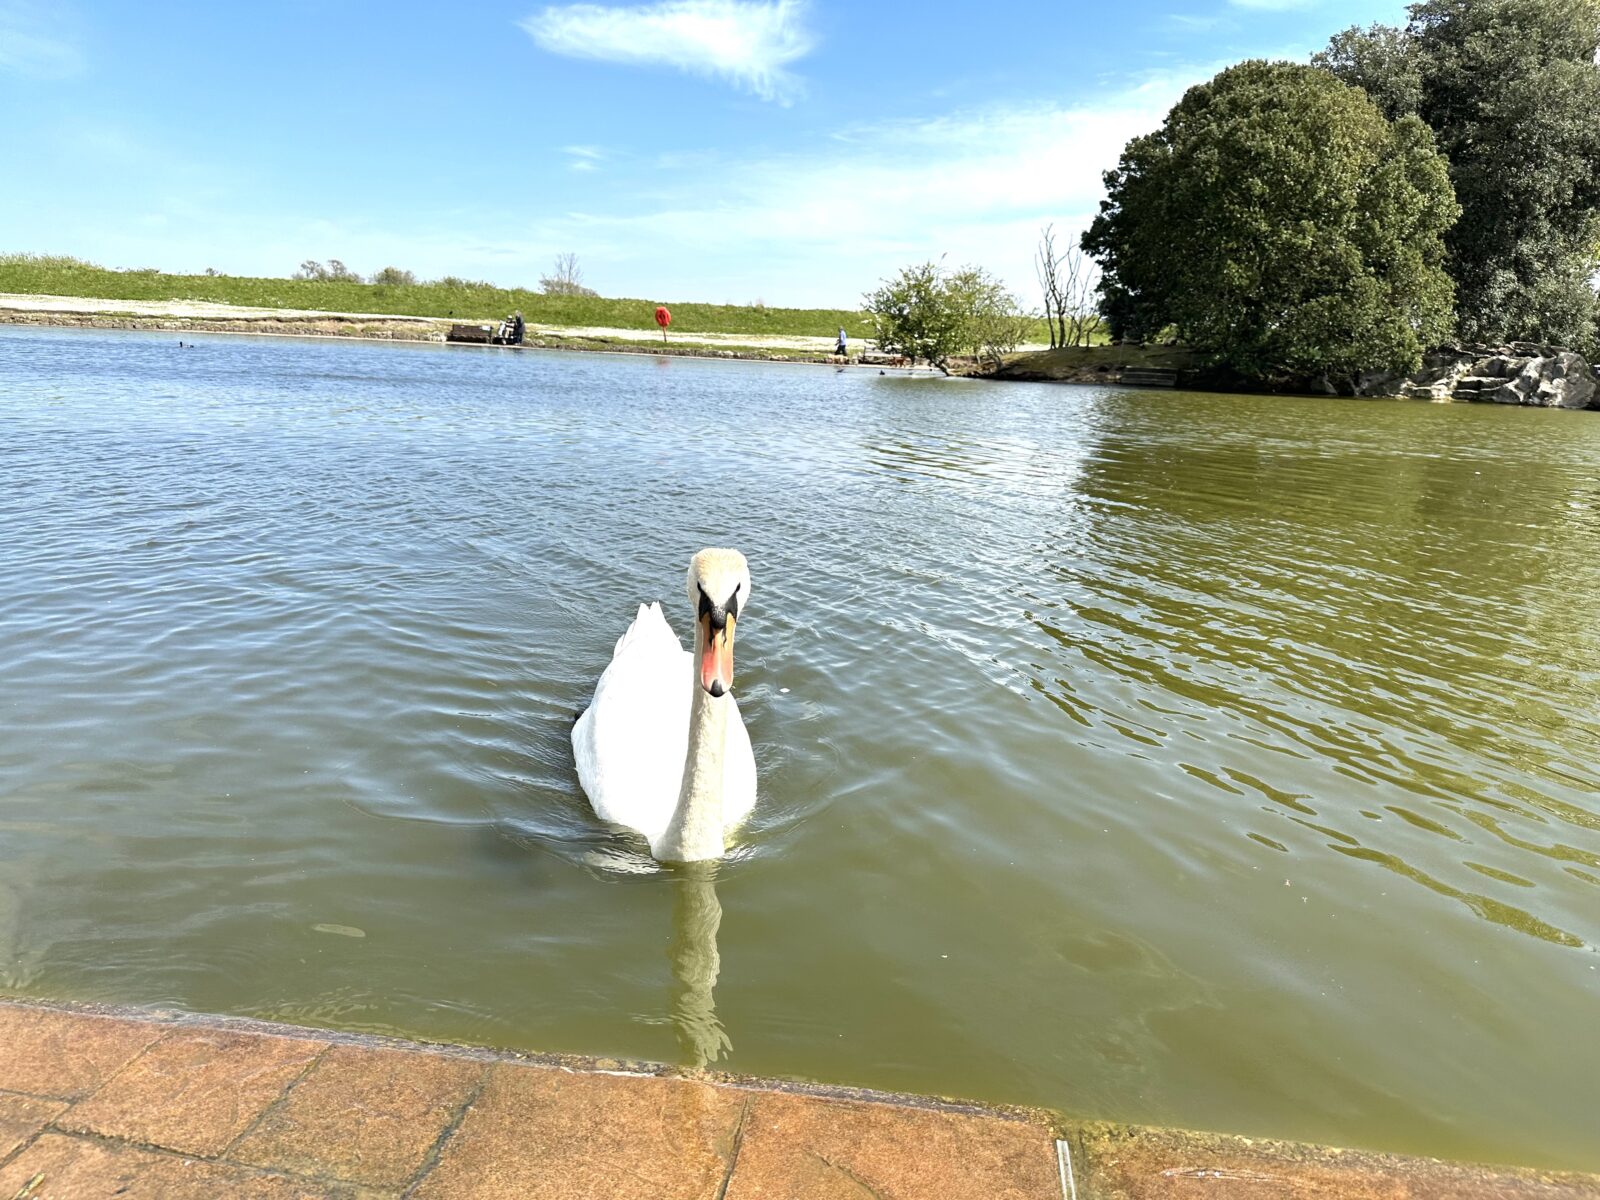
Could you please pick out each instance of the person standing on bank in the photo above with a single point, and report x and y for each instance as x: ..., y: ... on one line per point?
x: 840, y: 348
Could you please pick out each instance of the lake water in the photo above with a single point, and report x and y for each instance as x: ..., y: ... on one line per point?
x: 1225, y: 761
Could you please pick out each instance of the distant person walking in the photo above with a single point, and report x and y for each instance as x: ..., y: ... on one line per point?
x: 840, y: 348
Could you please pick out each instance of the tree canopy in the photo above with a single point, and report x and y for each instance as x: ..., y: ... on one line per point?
x: 1281, y: 225
x: 1511, y: 89
x: 928, y: 313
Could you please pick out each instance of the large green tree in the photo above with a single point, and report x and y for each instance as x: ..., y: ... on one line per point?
x: 1282, y: 226
x: 1511, y: 89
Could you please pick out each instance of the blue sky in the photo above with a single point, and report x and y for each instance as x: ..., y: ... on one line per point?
x: 793, y: 151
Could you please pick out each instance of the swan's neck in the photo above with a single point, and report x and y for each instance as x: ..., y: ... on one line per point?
x: 695, y: 832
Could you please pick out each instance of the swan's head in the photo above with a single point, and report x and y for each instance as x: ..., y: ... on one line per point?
x: 719, y: 589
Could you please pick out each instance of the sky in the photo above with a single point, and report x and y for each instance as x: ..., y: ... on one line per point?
x: 794, y: 152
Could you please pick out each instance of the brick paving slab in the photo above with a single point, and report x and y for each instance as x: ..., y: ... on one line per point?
x: 1129, y: 1163
x: 541, y: 1133
x: 130, y: 1105
x: 194, y: 1090
x: 62, y: 1054
x: 69, y: 1168
x: 797, y: 1148
x: 368, y: 1116
x: 21, y: 1117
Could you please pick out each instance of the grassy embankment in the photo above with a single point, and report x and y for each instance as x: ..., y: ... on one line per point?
x: 457, y: 300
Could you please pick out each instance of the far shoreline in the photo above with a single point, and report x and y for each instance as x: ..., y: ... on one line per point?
x: 1120, y: 365
x: 427, y: 332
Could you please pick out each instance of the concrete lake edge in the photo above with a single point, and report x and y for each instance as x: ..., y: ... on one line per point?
x: 98, y: 1098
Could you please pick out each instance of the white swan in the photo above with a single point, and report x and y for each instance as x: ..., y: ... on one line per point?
x: 661, y: 747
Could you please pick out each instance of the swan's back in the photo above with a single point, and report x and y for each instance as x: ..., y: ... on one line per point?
x: 631, y: 741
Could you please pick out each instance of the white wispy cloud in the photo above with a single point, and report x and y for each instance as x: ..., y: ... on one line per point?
x: 816, y: 225
x: 36, y: 42
x: 1189, y: 23
x: 750, y: 44
x: 583, y: 158
x: 1273, y: 5
x: 822, y: 227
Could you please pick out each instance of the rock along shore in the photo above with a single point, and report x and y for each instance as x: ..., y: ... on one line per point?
x: 1522, y: 373
x: 1529, y: 374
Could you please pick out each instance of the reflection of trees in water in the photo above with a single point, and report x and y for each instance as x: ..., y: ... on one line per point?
x: 1406, y: 602
x: 696, y: 915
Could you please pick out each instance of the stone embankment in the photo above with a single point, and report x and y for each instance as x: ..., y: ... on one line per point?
x: 1523, y: 373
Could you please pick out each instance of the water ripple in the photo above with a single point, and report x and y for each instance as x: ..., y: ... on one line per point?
x: 1221, y: 760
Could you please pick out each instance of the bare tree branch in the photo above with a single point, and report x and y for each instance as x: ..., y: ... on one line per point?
x: 565, y: 278
x: 1070, y: 282
x: 1047, y: 264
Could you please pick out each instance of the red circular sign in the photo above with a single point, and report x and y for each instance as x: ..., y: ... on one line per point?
x: 663, y: 317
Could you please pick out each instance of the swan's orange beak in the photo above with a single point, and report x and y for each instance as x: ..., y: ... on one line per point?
x: 716, y: 659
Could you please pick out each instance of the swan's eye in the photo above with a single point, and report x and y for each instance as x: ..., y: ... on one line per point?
x: 705, y: 601
x: 733, y: 601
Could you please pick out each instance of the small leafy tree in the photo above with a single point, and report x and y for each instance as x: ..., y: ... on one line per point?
x: 912, y: 315
x: 395, y: 277
x: 991, y: 321
x: 926, y: 313
x: 1282, y: 226
x: 334, y: 272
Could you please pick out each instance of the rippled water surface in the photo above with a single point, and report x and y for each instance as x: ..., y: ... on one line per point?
x: 1219, y: 760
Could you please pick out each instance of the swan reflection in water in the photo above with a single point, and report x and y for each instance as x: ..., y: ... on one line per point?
x: 696, y: 914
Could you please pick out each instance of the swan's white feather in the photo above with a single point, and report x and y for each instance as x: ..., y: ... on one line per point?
x: 631, y: 741
x: 739, y: 776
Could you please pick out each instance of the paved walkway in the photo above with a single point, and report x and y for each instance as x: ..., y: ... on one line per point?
x: 130, y: 1105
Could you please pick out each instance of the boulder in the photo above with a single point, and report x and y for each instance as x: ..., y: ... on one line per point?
x: 1522, y: 382
x: 1544, y: 377
x: 1570, y: 381
x: 1559, y: 380
x: 1435, y: 380
x: 1499, y: 366
x: 1476, y: 387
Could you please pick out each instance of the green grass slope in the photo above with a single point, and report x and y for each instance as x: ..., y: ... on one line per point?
x: 54, y: 275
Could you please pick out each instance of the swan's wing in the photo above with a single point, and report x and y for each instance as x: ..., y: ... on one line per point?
x: 630, y: 742
x: 739, y: 772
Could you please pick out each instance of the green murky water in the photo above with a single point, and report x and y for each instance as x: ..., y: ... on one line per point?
x: 1218, y: 760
